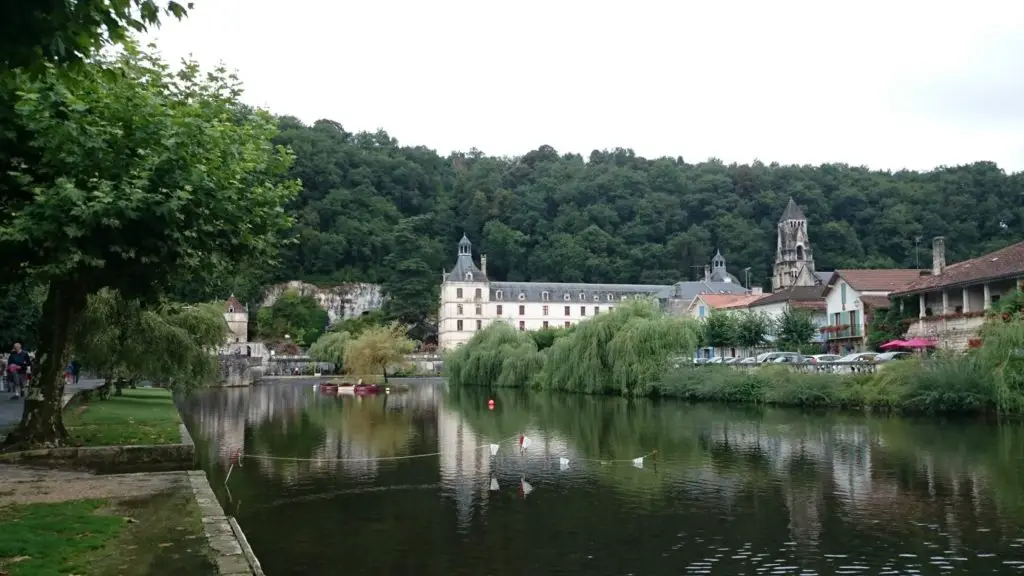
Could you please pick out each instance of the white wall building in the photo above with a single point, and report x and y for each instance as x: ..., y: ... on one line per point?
x: 852, y: 296
x: 470, y: 301
x: 807, y: 298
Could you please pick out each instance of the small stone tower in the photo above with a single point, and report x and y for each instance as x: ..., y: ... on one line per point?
x: 794, y: 259
x: 237, y: 317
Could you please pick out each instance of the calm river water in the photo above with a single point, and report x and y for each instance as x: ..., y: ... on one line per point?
x: 406, y: 484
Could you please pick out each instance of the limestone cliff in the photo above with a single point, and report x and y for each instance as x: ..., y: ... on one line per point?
x: 340, y: 302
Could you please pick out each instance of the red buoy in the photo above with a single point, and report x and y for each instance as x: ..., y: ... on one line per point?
x: 490, y: 403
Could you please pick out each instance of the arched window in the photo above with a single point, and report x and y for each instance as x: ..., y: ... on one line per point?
x: 799, y: 252
x: 497, y: 294
x: 611, y: 298
x: 469, y: 276
x: 582, y: 296
x: 231, y: 309
x: 545, y: 296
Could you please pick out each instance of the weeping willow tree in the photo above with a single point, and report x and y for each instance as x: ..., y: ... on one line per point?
x: 624, y: 352
x: 171, y: 344
x: 376, y: 349
x: 330, y: 348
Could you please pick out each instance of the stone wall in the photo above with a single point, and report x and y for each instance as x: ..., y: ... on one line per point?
x: 239, y: 370
x: 340, y: 302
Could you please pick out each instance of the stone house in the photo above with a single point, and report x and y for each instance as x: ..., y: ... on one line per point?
x: 953, y: 299
x: 851, y: 299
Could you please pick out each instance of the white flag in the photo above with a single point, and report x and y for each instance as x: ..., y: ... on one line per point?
x: 494, y: 483
x: 525, y: 486
x: 525, y: 443
x: 494, y: 449
x: 563, y: 463
x: 638, y: 462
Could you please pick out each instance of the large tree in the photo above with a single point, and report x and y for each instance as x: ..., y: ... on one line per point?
x: 376, y: 349
x: 127, y: 175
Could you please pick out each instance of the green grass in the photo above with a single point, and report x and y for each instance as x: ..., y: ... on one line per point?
x: 95, y: 537
x: 145, y: 416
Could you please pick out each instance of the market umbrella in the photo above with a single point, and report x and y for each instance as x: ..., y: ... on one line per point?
x: 918, y: 342
x: 894, y: 344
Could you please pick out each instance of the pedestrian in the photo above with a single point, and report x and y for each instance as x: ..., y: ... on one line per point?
x: 76, y: 369
x: 18, y: 364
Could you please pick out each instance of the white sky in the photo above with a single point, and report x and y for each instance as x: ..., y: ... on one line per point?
x: 888, y: 84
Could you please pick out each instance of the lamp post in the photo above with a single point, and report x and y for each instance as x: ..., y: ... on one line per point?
x: 746, y: 271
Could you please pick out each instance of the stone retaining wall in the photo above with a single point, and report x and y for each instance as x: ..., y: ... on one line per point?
x: 231, y: 551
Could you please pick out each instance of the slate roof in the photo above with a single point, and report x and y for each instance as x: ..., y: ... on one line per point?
x: 824, y: 276
x: 793, y: 294
x: 1004, y: 263
x: 464, y: 265
x: 879, y: 280
x: 792, y: 212
x: 605, y: 293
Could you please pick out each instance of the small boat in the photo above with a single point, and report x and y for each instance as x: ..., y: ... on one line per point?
x: 366, y: 389
x: 327, y: 388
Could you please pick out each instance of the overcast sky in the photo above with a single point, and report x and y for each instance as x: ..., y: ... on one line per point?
x: 889, y: 84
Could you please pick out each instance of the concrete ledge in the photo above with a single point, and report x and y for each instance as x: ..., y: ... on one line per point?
x: 109, y: 459
x: 186, y: 438
x: 232, y: 553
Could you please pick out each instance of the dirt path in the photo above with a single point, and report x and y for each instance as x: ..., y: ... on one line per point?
x: 22, y: 485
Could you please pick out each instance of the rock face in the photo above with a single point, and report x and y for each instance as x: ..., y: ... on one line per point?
x: 340, y: 302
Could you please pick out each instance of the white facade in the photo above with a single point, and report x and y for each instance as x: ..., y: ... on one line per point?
x: 775, y: 310
x: 470, y: 302
x: 844, y: 308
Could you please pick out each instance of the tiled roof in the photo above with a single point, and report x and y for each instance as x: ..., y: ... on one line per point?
x: 793, y: 294
x: 875, y: 301
x: 727, y: 301
x: 879, y: 280
x: 824, y: 276
x: 233, y: 305
x: 809, y: 304
x: 1002, y: 263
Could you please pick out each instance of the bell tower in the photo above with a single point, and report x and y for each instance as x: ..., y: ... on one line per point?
x: 794, y: 259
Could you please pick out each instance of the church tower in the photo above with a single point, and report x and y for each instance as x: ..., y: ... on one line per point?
x: 794, y: 259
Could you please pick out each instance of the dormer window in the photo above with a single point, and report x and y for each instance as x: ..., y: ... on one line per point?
x: 545, y: 296
x: 624, y: 297
x: 497, y: 294
x: 597, y: 298
x: 231, y: 309
x: 469, y: 276
x: 522, y: 296
x: 582, y: 296
x: 611, y: 298
x: 566, y: 297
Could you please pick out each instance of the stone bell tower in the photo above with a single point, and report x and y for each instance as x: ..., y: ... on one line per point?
x: 794, y: 259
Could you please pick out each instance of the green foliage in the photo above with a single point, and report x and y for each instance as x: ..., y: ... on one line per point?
x: 356, y: 325
x: 330, y: 347
x: 794, y: 329
x: 546, y: 337
x: 376, y: 349
x: 299, y: 317
x: 885, y: 326
x: 719, y: 330
x: 752, y: 329
x: 1010, y: 307
x: 141, y: 417
x: 621, y: 352
x: 121, y: 340
x: 20, y: 307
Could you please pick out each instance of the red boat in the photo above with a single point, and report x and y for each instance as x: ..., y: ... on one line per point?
x: 366, y: 389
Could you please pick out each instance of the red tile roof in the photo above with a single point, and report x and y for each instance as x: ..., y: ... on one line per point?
x: 1005, y: 263
x: 233, y: 304
x: 879, y: 280
x: 725, y: 301
x: 876, y: 301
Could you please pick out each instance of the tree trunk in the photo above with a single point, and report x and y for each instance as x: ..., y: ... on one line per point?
x: 42, y: 423
x: 385, y: 370
x: 119, y: 387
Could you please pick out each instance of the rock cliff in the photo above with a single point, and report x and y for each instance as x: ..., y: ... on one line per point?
x: 340, y: 302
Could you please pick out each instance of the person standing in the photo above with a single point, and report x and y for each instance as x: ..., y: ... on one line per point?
x: 18, y: 363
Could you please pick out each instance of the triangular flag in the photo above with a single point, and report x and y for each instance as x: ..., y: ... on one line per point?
x: 524, y: 442
x: 494, y: 483
x: 525, y: 487
x: 563, y: 463
x: 494, y: 449
x: 638, y: 462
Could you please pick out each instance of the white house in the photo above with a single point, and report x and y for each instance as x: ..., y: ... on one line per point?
x: 470, y: 301
x: 951, y: 302
x: 808, y: 298
x: 704, y: 304
x: 852, y: 296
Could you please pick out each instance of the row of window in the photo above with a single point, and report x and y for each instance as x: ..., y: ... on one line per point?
x: 459, y: 310
x: 522, y: 325
x: 545, y: 296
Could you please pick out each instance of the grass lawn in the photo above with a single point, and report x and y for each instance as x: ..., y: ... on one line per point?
x: 161, y: 534
x: 144, y: 416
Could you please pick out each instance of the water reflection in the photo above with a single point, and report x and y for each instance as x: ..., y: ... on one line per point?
x: 731, y: 491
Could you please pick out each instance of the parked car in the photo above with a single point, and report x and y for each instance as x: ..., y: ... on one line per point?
x: 789, y: 358
x: 859, y: 357
x: 887, y: 356
x: 748, y: 360
x: 823, y: 358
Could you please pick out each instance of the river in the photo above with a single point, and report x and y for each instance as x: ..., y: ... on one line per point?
x: 406, y: 484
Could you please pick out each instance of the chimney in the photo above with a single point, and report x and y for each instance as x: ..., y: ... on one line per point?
x: 756, y: 290
x: 707, y: 273
x: 938, y: 255
x: 483, y: 264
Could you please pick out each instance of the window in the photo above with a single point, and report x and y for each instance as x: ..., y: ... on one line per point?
x: 610, y: 308
x: 544, y: 310
x: 611, y: 298
x: 479, y: 310
x: 522, y: 325
x: 458, y: 292
x: 479, y: 324
x: 478, y: 294
x: 701, y: 311
x: 566, y: 297
x: 522, y: 296
x: 842, y: 293
x: 545, y: 295
x: 583, y: 310
x: 497, y: 294
x: 597, y: 298
x: 522, y: 310
x: 231, y: 309
x: 582, y: 296
x: 624, y: 298
x: 458, y: 325
x: 959, y: 309
x: 458, y: 309
x: 567, y: 312
x: 637, y: 296
x: 597, y: 310
x: 995, y: 298
x: 499, y: 309
x: 799, y: 252
x: 567, y: 323
x: 545, y: 324
x: 469, y: 276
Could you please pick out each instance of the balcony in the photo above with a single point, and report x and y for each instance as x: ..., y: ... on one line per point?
x: 834, y: 332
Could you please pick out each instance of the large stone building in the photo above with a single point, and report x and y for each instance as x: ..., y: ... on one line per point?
x: 794, y: 258
x: 470, y: 301
x: 237, y: 317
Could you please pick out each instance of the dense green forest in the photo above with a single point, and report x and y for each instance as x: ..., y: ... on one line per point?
x: 372, y: 210
x: 375, y: 211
